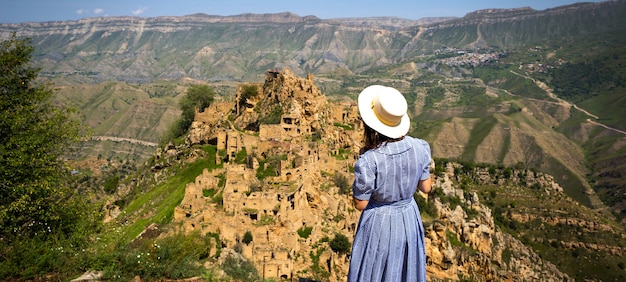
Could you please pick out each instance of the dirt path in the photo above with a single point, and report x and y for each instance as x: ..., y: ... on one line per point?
x: 543, y: 86
x: 607, y: 127
x: 120, y: 139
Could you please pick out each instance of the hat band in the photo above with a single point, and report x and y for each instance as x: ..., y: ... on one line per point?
x: 383, y: 119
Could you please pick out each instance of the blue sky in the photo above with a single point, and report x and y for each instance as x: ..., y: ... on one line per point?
x: 16, y: 11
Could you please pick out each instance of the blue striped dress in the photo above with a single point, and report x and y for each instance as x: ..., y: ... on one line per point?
x: 389, y: 241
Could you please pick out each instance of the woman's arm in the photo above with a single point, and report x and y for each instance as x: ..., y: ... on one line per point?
x: 359, y: 204
x: 425, y: 185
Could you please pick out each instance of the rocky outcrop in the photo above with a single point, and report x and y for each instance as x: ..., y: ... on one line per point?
x: 460, y: 246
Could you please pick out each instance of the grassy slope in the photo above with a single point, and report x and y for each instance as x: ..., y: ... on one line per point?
x: 155, y: 203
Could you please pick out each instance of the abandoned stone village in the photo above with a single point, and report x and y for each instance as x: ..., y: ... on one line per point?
x: 292, y: 198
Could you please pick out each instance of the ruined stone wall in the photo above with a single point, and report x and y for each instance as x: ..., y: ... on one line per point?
x: 270, y: 131
x: 233, y: 143
x: 216, y: 111
x: 221, y: 140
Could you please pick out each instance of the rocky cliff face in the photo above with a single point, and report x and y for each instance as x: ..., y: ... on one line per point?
x: 218, y: 48
x: 460, y: 246
x: 163, y: 24
x: 294, y: 211
x: 526, y: 13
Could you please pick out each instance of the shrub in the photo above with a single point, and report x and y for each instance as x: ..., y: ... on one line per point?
x: 247, y: 237
x: 265, y: 220
x: 173, y: 257
x: 208, y: 193
x: 242, y: 156
x: 240, y: 270
x: 110, y: 184
x: 342, y: 182
x: 304, y: 232
x: 424, y: 206
x: 273, y: 117
x: 340, y: 244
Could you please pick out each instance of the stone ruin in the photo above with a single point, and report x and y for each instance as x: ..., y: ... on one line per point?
x: 292, y: 198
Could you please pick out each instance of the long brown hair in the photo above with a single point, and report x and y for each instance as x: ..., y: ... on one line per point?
x: 373, y: 139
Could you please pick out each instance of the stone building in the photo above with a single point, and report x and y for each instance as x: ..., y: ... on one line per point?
x: 274, y: 209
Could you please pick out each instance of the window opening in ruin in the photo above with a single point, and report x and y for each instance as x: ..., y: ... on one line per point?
x: 254, y: 216
x: 291, y: 198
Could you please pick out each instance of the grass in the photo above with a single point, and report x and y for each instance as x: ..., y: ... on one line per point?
x: 158, y: 203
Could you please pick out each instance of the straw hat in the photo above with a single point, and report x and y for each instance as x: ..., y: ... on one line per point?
x: 384, y: 109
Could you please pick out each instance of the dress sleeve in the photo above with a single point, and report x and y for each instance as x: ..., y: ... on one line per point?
x: 426, y: 160
x: 364, y: 180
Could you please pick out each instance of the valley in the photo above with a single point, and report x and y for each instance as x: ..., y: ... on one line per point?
x: 523, y: 110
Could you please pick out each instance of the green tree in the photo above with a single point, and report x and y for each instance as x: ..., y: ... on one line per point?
x: 35, y: 132
x: 198, y: 97
x: 247, y: 237
x: 248, y: 91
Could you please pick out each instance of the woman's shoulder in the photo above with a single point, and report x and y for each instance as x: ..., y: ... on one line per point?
x: 417, y: 141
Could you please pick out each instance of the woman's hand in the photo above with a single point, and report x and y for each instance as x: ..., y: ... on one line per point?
x: 359, y: 204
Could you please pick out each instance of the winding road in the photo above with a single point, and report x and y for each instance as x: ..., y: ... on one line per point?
x: 545, y: 87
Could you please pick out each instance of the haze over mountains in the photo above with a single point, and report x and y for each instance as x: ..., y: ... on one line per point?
x: 542, y: 90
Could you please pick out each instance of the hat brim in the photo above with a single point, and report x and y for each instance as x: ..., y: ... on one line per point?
x: 369, y: 117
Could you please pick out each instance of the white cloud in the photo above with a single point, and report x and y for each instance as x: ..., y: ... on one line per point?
x: 139, y: 11
x: 98, y: 11
x: 81, y: 11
